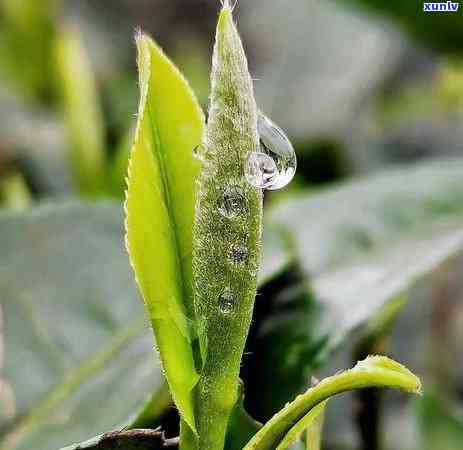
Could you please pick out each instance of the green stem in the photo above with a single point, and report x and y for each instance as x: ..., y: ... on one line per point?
x: 188, y: 441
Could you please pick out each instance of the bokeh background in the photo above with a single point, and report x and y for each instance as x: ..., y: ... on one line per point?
x: 359, y: 86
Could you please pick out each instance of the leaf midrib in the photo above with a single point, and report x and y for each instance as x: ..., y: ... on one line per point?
x: 159, y: 155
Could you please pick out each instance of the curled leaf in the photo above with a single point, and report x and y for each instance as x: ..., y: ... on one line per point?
x: 374, y: 371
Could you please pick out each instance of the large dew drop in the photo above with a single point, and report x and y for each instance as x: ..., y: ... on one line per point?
x: 261, y: 170
x: 274, y: 166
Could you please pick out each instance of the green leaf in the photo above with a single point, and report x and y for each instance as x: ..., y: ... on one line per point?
x: 377, y: 371
x: 227, y: 239
x: 336, y: 226
x: 78, y: 355
x: 160, y: 210
x: 314, y: 428
x: 242, y: 427
x: 127, y: 440
x: 27, y: 34
x: 14, y: 193
x: 352, y: 295
x: 82, y: 111
x: 440, y: 422
x: 360, y: 244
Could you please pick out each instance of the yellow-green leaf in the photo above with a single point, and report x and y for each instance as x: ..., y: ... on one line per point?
x: 375, y: 371
x: 14, y: 193
x: 160, y: 210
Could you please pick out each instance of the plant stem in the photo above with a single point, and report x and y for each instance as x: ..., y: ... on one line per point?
x: 188, y: 441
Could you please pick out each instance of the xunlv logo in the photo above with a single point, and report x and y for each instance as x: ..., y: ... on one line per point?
x: 444, y: 7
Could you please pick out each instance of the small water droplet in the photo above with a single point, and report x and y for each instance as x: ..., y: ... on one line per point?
x: 274, y: 146
x: 196, y: 151
x: 231, y: 202
x: 226, y: 302
x: 238, y: 254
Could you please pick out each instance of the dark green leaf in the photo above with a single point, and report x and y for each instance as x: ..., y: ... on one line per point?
x: 373, y: 239
x: 78, y: 354
x: 360, y: 244
x: 354, y: 294
x: 332, y: 228
x: 241, y: 428
x: 440, y: 422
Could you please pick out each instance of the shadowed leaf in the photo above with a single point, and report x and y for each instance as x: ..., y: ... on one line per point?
x: 352, y: 248
x: 78, y: 355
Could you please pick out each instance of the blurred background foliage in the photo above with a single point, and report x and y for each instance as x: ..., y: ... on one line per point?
x: 360, y: 86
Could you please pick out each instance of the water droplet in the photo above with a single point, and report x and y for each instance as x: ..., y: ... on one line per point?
x: 196, y: 151
x: 238, y: 254
x: 231, y: 202
x: 226, y: 302
x: 261, y: 170
x: 274, y: 166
